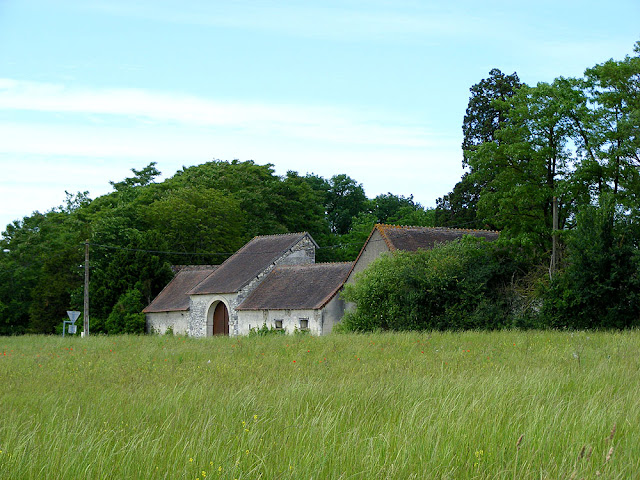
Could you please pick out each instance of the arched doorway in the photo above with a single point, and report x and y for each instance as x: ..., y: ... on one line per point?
x: 220, y: 320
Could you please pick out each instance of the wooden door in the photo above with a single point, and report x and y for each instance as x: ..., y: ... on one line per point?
x: 221, y: 320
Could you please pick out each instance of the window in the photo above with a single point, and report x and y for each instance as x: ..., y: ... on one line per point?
x: 278, y: 324
x: 304, y: 324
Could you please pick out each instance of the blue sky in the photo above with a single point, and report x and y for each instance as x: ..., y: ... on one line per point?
x: 375, y: 89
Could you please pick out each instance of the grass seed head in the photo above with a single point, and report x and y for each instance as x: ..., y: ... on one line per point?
x: 609, y: 455
x: 613, y: 432
x: 519, y: 442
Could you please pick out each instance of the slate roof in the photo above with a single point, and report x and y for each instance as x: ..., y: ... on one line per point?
x: 247, y: 263
x: 411, y: 239
x: 304, y: 287
x: 174, y: 297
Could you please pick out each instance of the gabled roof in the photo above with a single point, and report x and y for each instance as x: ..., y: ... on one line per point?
x: 174, y: 296
x: 305, y: 287
x: 248, y: 262
x: 411, y: 239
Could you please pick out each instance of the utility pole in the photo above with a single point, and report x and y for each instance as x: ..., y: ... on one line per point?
x: 86, y: 288
x: 554, y: 248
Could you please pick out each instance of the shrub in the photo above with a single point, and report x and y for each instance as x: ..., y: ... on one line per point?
x: 126, y: 316
x: 265, y: 330
x: 459, y: 285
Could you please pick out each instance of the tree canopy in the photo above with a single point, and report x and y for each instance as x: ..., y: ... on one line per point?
x: 575, y: 142
x: 200, y: 215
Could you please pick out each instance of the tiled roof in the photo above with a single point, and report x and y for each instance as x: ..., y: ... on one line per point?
x: 174, y: 296
x: 247, y: 263
x: 298, y: 287
x: 410, y: 239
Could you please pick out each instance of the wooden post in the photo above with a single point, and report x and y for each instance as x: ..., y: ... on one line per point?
x: 554, y: 237
x: 86, y: 288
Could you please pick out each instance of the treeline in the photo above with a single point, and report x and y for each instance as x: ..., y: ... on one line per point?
x: 201, y: 215
x: 575, y: 140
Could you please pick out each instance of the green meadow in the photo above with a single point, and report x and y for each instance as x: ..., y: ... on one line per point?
x: 498, y: 405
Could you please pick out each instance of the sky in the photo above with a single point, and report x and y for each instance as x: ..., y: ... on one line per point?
x: 374, y: 89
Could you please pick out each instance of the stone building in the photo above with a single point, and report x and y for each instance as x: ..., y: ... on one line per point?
x: 204, y: 301
x: 214, y: 300
x: 391, y: 238
x: 273, y: 280
x: 170, y: 309
x: 302, y: 297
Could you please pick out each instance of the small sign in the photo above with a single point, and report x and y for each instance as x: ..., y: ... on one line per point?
x: 73, y: 316
x: 73, y: 329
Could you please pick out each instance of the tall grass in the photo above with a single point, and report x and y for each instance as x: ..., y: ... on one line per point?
x: 432, y: 405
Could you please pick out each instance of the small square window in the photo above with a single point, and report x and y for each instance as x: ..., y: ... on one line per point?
x: 278, y: 324
x: 304, y: 324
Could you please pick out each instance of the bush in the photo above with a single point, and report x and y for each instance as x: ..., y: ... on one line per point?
x: 264, y: 330
x: 126, y: 316
x: 460, y: 285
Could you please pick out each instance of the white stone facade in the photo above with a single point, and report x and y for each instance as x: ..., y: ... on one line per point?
x: 202, y: 306
x: 160, y: 322
x: 318, y: 322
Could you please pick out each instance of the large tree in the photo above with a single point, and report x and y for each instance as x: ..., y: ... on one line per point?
x: 614, y: 88
x: 528, y: 165
x: 486, y: 113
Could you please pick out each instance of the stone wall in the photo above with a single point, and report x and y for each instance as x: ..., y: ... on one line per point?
x: 290, y: 320
x: 375, y: 247
x: 201, y: 308
x: 332, y: 313
x: 159, y: 322
x: 302, y: 253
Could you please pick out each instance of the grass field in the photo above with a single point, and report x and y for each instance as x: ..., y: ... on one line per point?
x: 440, y: 405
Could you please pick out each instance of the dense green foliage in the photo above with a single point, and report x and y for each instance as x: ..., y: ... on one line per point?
x: 573, y: 140
x: 600, y: 285
x: 576, y: 140
x: 394, y: 406
x: 201, y: 215
x: 460, y: 285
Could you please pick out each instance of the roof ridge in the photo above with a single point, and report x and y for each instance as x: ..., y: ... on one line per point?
x: 386, y: 225
x: 280, y: 234
x: 318, y: 264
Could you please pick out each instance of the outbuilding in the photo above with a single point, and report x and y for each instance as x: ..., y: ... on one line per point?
x: 300, y: 297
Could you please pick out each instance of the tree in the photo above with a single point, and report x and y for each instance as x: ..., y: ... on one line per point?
x: 459, y: 207
x: 126, y: 316
x: 38, y: 270
x: 487, y: 110
x: 614, y: 88
x: 299, y: 206
x: 528, y: 165
x: 196, y: 221
x: 599, y: 286
x: 140, y: 178
x: 486, y: 113
x: 345, y: 200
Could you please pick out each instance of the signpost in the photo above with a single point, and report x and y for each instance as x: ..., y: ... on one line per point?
x: 73, y: 316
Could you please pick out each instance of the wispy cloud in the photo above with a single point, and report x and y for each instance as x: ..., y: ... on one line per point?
x: 330, y: 124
